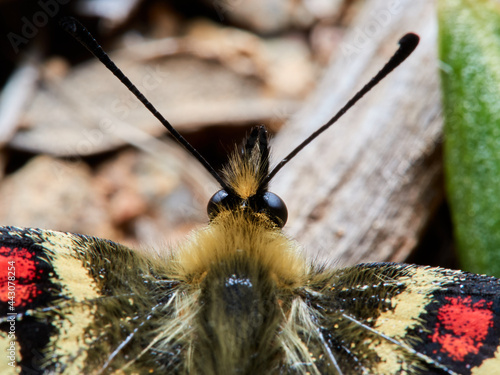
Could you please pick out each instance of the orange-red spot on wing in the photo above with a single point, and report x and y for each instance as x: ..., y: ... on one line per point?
x: 17, y: 276
x: 462, y: 326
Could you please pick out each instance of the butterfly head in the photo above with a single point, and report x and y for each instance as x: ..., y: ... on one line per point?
x: 245, y: 177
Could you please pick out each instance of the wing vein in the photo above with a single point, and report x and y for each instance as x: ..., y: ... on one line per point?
x: 423, y: 357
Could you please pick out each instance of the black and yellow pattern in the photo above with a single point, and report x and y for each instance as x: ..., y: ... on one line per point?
x: 100, y: 307
x: 237, y: 298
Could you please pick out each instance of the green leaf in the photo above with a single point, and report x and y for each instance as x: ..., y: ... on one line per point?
x: 469, y: 47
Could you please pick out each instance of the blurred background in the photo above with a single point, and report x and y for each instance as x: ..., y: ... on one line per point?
x: 80, y: 154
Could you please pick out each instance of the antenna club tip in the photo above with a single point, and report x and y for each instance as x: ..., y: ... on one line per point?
x: 68, y: 23
x: 409, y: 41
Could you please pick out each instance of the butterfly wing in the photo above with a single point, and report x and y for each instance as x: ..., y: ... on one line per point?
x: 77, y: 304
x: 386, y: 318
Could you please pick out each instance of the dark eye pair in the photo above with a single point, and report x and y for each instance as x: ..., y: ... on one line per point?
x: 267, y: 203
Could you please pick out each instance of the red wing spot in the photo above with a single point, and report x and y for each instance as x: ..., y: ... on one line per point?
x: 462, y: 326
x: 22, y: 275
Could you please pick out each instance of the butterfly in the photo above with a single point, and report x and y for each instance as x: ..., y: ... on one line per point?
x: 238, y: 296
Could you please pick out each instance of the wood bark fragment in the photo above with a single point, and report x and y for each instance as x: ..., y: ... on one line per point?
x: 366, y: 189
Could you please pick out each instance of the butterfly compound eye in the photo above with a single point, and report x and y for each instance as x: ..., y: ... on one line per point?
x: 267, y: 203
x: 275, y: 208
x: 221, y: 198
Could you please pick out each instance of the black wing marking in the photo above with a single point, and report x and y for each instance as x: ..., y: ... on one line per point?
x: 386, y: 318
x: 81, y: 304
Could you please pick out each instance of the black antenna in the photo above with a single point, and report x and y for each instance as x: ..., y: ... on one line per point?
x: 406, y: 46
x: 80, y: 33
